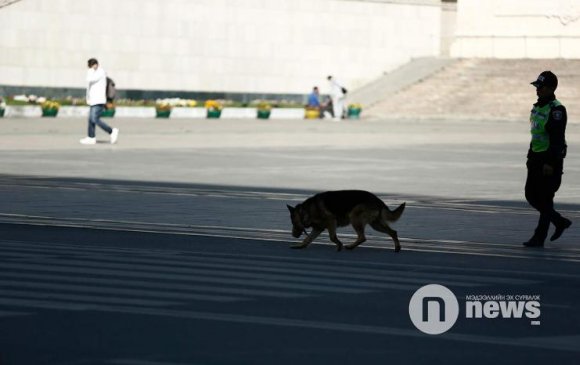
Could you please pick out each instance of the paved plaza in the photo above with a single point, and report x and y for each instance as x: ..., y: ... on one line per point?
x: 171, y: 247
x: 454, y: 159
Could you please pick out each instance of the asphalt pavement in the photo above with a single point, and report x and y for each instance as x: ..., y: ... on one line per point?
x: 172, y: 247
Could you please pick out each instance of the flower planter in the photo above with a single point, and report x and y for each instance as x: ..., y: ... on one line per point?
x: 263, y: 114
x: 108, y: 113
x: 354, y: 113
x: 50, y: 113
x: 2, y: 111
x: 213, y: 113
x: 311, y: 114
x: 162, y: 113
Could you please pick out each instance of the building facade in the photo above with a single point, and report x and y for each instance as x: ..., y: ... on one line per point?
x: 231, y: 46
x: 517, y: 29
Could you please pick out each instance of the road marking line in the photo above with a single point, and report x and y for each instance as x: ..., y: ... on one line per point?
x: 460, y: 251
x: 75, y: 248
x: 509, y: 251
x: 13, y: 314
x: 117, y: 291
x: 345, y: 275
x: 186, y: 278
x: 378, y: 274
x: 4, y: 293
x: 153, y: 285
x: 338, y: 283
x: 131, y: 187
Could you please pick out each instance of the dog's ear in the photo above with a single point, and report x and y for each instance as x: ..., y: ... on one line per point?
x: 291, y: 209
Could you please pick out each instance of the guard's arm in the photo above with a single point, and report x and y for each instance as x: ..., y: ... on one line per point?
x: 556, y: 128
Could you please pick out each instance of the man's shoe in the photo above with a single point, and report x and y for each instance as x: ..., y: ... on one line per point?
x: 114, y: 135
x: 534, y: 242
x: 88, y: 140
x: 560, y: 229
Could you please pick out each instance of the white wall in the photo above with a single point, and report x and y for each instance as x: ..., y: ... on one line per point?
x: 518, y: 29
x: 448, y: 27
x: 278, y: 46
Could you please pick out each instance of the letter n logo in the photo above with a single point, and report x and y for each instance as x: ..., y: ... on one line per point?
x: 433, y: 309
x: 440, y: 304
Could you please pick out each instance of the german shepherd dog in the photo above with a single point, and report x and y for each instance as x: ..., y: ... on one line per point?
x: 333, y: 209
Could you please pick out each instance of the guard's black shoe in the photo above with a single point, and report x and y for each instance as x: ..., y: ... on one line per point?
x: 534, y: 242
x: 560, y: 229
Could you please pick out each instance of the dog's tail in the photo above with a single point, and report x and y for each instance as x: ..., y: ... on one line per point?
x: 393, y: 215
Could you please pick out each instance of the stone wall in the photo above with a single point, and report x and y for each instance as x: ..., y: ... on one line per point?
x: 518, y: 29
x: 239, y: 46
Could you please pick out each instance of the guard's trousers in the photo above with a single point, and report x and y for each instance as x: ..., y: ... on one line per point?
x: 540, y: 191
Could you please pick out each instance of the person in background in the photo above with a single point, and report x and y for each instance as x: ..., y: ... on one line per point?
x: 327, y: 107
x: 314, y: 101
x: 337, y: 95
x: 96, y: 99
x: 314, y: 98
x: 546, y: 155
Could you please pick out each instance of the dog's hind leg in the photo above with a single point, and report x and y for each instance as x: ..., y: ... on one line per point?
x: 308, y: 240
x: 333, y: 236
x: 382, y: 227
x: 360, y: 231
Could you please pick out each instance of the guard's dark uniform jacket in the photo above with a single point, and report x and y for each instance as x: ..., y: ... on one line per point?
x: 548, y: 127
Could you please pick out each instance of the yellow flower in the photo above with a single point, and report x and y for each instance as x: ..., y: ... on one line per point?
x: 49, y: 104
x: 163, y: 106
x: 264, y: 105
x: 213, y: 105
x: 355, y: 106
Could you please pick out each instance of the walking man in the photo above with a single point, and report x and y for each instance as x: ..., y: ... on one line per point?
x: 546, y: 158
x: 96, y: 99
x: 337, y: 95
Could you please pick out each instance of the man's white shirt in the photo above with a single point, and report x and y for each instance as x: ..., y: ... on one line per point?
x: 96, y: 87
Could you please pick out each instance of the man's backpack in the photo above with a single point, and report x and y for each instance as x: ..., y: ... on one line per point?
x: 111, y: 90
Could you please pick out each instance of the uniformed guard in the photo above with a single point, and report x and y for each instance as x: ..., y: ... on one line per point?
x: 546, y: 158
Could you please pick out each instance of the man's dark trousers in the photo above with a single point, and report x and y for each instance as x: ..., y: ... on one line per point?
x: 540, y: 191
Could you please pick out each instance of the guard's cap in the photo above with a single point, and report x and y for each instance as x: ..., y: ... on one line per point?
x: 546, y: 78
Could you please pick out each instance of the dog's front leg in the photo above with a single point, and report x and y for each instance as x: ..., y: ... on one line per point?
x: 309, y: 238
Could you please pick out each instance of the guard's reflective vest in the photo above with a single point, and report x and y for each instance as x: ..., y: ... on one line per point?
x: 538, y: 120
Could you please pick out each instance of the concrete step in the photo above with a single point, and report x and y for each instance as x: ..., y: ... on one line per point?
x: 397, y: 80
x: 481, y: 89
